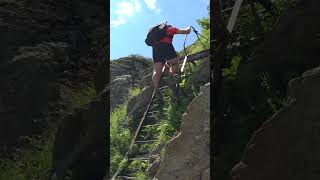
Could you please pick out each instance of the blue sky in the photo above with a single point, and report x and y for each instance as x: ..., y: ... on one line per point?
x: 131, y: 19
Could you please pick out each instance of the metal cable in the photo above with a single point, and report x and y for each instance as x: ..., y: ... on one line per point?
x: 198, y: 34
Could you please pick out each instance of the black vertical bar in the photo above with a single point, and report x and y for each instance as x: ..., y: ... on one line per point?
x: 106, y: 61
x: 219, y: 34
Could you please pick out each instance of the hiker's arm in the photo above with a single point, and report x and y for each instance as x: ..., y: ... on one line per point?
x: 184, y: 31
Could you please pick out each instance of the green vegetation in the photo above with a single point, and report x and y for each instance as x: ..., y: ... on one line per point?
x: 140, y: 176
x: 170, y: 120
x: 134, y: 92
x: 80, y: 95
x: 34, y: 159
x: 32, y: 163
x: 120, y: 136
x: 231, y: 72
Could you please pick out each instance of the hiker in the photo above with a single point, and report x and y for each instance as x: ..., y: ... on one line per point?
x: 163, y: 51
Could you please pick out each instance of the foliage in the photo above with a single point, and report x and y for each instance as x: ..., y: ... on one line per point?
x: 120, y: 136
x: 134, y: 91
x: 35, y: 160
x: 274, y: 102
x: 80, y: 95
x: 31, y: 163
x: 231, y: 72
x: 138, y: 166
x: 141, y: 176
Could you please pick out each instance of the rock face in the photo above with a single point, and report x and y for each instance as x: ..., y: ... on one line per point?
x: 120, y: 87
x: 134, y: 65
x: 290, y: 49
x: 80, y: 141
x: 126, y: 73
x: 187, y: 155
x: 46, y: 47
x: 137, y: 105
x: 30, y: 91
x: 287, y: 145
x: 287, y: 51
x: 201, y: 75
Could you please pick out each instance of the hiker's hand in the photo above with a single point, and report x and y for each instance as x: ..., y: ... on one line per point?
x: 188, y: 29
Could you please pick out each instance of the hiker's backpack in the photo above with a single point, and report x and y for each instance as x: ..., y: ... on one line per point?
x: 156, y: 33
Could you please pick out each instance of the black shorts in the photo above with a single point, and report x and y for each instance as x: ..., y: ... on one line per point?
x: 163, y: 52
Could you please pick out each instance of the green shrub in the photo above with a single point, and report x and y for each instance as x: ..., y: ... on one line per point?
x: 120, y: 136
x: 80, y: 95
x: 31, y: 163
x: 141, y: 176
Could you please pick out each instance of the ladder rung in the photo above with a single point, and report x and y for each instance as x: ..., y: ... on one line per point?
x: 151, y: 112
x: 154, y: 105
x: 162, y: 90
x: 149, y: 124
x: 227, y: 9
x: 126, y: 177
x: 147, y: 141
x: 139, y: 159
x: 163, y: 87
x: 153, y: 117
x: 145, y: 126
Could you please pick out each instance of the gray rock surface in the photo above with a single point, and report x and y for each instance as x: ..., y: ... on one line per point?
x: 200, y: 76
x: 29, y: 91
x: 126, y: 73
x: 137, y: 105
x: 187, y: 154
x: 80, y: 141
x: 47, y: 48
x: 119, y: 90
x: 287, y: 145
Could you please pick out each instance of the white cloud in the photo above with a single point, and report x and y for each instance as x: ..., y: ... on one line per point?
x: 127, y: 8
x: 124, y: 10
x: 118, y: 22
x: 152, y: 5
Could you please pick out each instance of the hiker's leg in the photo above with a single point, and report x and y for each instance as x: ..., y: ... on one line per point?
x: 157, y: 68
x: 167, y: 69
x: 174, y: 66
